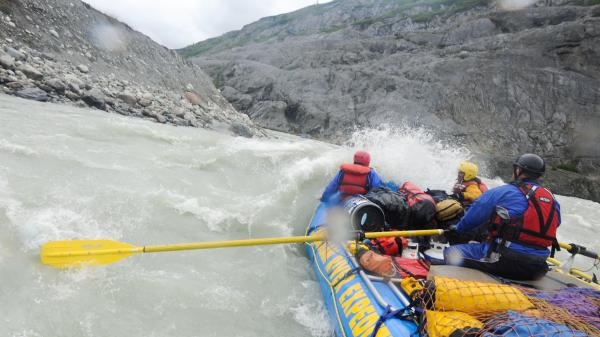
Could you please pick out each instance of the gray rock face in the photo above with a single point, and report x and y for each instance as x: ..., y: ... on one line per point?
x: 95, y: 98
x: 35, y: 94
x: 272, y: 114
x: 84, y: 57
x: 501, y: 83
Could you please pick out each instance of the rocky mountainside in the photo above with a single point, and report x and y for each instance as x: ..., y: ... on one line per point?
x: 65, y: 51
x: 497, y: 81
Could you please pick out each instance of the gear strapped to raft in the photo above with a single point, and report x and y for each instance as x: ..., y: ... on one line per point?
x: 452, y: 307
x: 405, y: 313
x: 348, y: 274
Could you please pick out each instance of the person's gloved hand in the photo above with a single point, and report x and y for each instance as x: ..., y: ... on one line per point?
x: 458, y: 188
x: 458, y: 196
x: 451, y: 230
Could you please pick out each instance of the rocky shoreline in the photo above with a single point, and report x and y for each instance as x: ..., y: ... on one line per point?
x: 69, y: 63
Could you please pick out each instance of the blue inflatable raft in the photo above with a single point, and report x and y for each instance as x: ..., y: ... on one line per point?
x: 358, y: 304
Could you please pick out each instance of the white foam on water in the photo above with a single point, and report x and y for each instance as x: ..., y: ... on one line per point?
x: 314, y: 317
x: 402, y: 154
x: 50, y: 224
x: 27, y: 333
x: 8, y: 146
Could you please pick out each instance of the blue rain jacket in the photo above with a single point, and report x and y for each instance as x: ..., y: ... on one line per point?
x: 508, y: 196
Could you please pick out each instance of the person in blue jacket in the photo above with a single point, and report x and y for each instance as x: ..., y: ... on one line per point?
x: 352, y: 179
x: 523, y: 218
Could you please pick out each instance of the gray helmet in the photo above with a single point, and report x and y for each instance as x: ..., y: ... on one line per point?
x: 531, y: 163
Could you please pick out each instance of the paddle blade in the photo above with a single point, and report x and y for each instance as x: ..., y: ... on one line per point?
x: 75, y: 253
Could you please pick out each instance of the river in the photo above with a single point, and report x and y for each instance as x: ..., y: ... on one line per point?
x: 73, y: 173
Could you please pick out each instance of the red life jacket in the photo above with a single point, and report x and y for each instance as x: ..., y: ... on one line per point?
x: 537, y: 226
x: 421, y: 206
x: 389, y: 246
x: 414, y: 193
x: 411, y: 268
x: 354, y: 179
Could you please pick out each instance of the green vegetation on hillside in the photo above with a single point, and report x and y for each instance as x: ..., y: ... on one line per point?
x: 586, y: 2
x: 201, y: 47
x: 453, y: 7
x: 278, y: 26
x: 439, y: 7
x: 5, y: 6
x: 332, y: 29
x: 567, y: 167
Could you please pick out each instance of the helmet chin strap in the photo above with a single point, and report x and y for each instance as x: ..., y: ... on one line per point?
x: 517, y: 178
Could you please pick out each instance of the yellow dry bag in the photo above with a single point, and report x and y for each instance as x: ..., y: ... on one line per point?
x: 476, y: 297
x: 451, y: 323
x: 448, y: 209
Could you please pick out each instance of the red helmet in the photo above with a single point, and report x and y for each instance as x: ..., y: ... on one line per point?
x: 362, y: 158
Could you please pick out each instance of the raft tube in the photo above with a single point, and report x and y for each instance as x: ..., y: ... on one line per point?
x: 350, y: 296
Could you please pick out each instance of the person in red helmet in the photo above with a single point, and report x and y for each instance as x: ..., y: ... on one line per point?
x: 356, y: 178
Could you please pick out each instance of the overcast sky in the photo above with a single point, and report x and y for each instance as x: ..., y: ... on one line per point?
x: 178, y: 23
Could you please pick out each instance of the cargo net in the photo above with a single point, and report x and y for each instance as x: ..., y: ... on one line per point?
x: 453, y: 308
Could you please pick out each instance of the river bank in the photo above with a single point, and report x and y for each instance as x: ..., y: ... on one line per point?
x: 67, y: 52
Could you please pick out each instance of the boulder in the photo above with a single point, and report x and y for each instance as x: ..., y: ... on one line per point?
x: 30, y: 72
x: 35, y: 94
x: 160, y: 118
x: 242, y: 130
x: 57, y: 85
x: 127, y: 97
x: 193, y: 98
x: 72, y: 95
x: 48, y: 56
x: 15, y: 85
x: 45, y: 87
x: 144, y: 102
x: 83, y: 68
x: 6, y: 61
x: 17, y: 55
x: 74, y: 83
x: 95, y: 98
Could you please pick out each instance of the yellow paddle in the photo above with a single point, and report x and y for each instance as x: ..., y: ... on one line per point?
x: 576, y: 249
x: 75, y: 253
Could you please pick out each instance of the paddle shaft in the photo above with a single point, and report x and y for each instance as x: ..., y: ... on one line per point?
x: 236, y: 243
x: 280, y: 240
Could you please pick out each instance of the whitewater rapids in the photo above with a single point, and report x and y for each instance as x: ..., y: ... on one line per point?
x: 71, y: 173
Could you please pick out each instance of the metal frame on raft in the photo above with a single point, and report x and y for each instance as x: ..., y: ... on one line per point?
x: 574, y: 273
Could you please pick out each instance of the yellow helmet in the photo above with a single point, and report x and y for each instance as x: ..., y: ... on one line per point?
x: 469, y: 169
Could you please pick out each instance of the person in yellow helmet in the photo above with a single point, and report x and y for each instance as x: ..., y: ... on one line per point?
x: 468, y: 186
